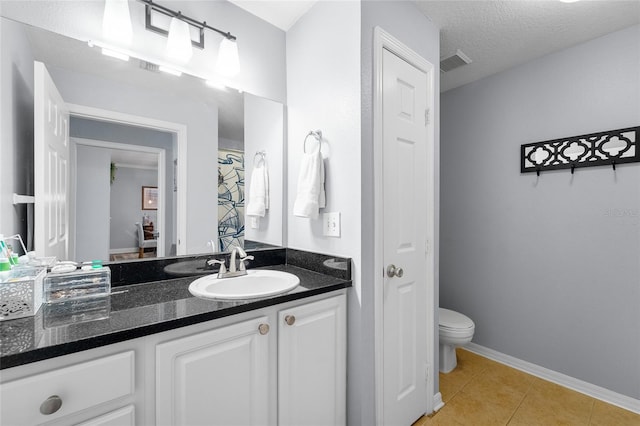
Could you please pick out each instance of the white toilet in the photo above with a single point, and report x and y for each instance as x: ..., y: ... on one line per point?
x: 455, y: 330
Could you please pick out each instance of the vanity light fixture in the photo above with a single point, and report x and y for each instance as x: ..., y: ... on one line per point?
x: 228, y: 63
x: 179, y: 40
x: 116, y: 22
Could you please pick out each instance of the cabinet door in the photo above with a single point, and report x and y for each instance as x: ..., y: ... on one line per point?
x: 312, y: 364
x: 122, y: 417
x: 218, y: 377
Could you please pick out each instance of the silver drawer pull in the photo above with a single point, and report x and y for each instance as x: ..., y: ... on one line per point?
x: 51, y: 405
x: 263, y: 329
x: 290, y: 319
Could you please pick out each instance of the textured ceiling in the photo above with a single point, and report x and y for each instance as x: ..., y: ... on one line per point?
x: 498, y: 35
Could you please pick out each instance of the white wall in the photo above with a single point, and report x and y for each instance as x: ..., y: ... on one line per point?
x: 16, y: 127
x: 545, y: 266
x: 260, y: 45
x: 92, y: 203
x: 323, y: 92
x: 264, y: 131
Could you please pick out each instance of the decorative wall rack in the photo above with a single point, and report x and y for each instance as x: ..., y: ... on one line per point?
x: 596, y: 149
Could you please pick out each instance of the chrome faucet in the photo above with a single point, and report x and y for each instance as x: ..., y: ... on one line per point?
x: 234, y: 271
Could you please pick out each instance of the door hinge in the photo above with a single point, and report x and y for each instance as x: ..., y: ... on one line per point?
x: 427, y: 247
x: 426, y: 116
x: 426, y: 372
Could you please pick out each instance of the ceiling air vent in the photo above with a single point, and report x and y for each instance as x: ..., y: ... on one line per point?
x: 149, y: 66
x: 454, y: 61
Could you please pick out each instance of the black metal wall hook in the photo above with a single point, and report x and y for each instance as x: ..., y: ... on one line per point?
x: 612, y: 147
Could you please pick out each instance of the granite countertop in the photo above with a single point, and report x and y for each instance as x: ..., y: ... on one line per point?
x: 137, y: 310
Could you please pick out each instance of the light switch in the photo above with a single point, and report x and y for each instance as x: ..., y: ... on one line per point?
x: 331, y: 224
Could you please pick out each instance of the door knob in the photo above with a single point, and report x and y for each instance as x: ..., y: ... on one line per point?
x: 290, y: 319
x: 263, y: 329
x: 393, y: 271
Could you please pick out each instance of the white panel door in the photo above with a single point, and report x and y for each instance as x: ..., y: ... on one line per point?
x: 312, y: 364
x: 405, y: 211
x: 218, y: 377
x: 51, y: 164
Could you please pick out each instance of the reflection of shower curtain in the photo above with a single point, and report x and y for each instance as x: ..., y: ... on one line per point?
x: 230, y: 199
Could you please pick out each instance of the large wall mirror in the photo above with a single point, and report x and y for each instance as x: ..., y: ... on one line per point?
x: 132, y: 126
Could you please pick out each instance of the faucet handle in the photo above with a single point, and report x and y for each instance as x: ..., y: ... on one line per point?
x: 222, y: 269
x: 242, y: 265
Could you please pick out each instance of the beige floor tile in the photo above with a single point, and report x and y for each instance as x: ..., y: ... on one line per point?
x: 469, y: 366
x: 609, y: 415
x: 502, y: 385
x: 470, y: 410
x: 550, y: 404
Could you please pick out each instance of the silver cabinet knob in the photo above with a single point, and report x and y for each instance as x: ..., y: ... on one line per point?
x: 290, y: 319
x: 51, y: 405
x: 263, y: 329
x: 392, y: 271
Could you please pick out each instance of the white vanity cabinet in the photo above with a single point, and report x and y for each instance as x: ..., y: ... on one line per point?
x: 312, y: 363
x: 216, y: 377
x: 286, y: 367
x: 92, y: 391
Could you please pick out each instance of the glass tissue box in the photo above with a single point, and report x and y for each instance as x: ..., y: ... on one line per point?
x: 79, y: 284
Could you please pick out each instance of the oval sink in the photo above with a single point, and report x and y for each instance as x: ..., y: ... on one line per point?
x: 257, y: 283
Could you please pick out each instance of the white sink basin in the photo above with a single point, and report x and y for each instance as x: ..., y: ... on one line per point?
x: 257, y: 283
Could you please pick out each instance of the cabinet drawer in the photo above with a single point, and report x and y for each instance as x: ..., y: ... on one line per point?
x: 76, y: 387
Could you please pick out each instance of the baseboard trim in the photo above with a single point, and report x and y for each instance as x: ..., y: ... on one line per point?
x: 123, y: 250
x: 437, y: 402
x: 577, y: 385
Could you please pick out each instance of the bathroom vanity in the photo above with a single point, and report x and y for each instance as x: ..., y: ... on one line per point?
x: 162, y: 356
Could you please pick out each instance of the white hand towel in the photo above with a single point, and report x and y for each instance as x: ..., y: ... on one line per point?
x: 258, y: 191
x: 310, y: 196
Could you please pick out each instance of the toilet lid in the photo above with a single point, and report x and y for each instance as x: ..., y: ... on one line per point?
x: 453, y: 319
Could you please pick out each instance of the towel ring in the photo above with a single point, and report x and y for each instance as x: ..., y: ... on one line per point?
x: 316, y: 134
x: 260, y: 155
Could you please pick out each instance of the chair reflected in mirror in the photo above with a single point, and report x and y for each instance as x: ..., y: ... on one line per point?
x: 147, y: 238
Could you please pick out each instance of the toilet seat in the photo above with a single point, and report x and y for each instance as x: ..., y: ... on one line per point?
x: 454, y: 321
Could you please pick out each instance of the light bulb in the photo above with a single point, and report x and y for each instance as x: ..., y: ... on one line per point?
x: 179, y: 42
x: 116, y: 22
x: 228, y: 62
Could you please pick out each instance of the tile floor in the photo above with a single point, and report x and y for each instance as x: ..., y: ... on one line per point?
x: 483, y: 392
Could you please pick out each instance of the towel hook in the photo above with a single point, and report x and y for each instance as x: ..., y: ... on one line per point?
x: 260, y: 155
x: 316, y: 134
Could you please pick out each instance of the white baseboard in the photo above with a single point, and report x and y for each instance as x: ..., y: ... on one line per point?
x: 577, y: 385
x: 437, y: 402
x: 123, y: 250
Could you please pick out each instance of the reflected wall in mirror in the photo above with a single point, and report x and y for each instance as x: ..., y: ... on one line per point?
x: 141, y: 127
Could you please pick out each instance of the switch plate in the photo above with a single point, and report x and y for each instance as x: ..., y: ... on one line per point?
x: 331, y: 224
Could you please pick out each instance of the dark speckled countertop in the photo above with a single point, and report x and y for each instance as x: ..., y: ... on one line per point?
x: 137, y: 310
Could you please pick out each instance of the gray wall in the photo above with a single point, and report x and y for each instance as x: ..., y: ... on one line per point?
x: 405, y: 22
x: 126, y: 205
x: 92, y: 203
x: 548, y: 267
x: 131, y: 135
x: 16, y: 127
